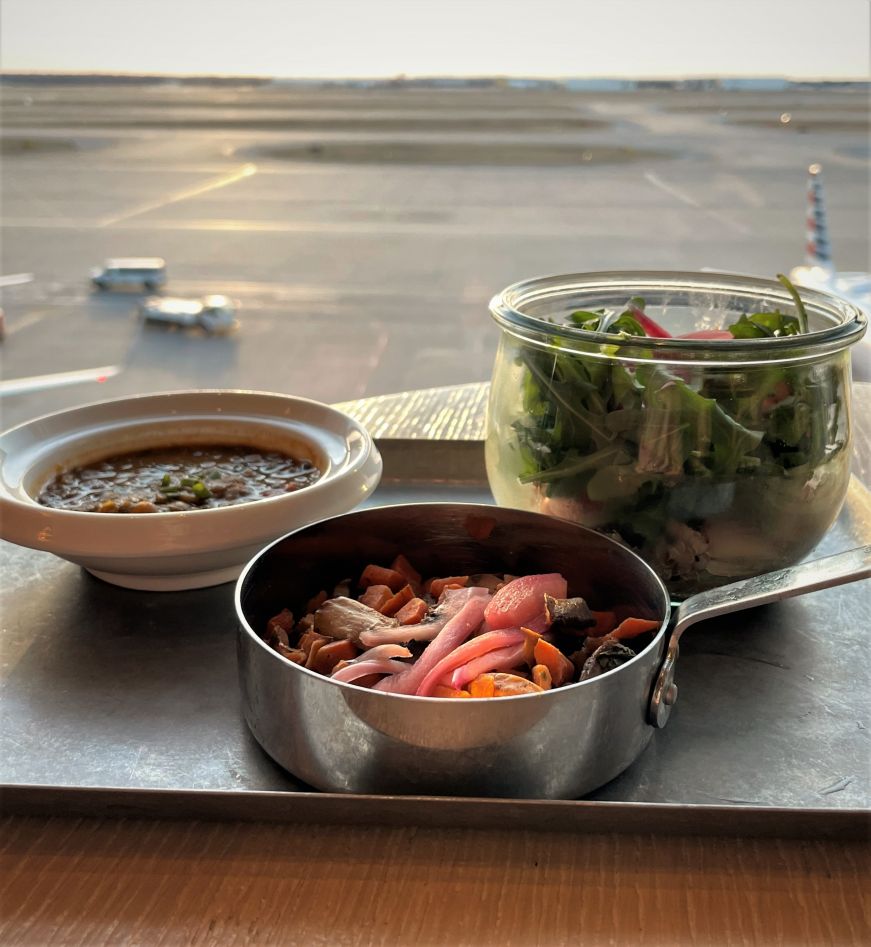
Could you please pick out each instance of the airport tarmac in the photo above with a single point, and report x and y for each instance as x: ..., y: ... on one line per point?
x: 364, y: 231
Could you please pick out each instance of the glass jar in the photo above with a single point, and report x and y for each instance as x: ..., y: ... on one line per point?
x: 713, y: 457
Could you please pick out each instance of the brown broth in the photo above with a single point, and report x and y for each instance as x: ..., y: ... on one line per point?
x: 175, y: 479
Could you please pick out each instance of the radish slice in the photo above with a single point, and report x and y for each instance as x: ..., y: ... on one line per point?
x: 522, y: 600
x: 352, y: 672
x: 471, y: 649
x: 502, y: 659
x: 382, y: 652
x: 653, y: 329
x: 455, y: 632
x: 715, y: 335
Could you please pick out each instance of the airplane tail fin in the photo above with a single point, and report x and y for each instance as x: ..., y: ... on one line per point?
x: 818, y: 249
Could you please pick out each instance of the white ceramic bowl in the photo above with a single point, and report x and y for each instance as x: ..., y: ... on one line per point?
x: 179, y: 550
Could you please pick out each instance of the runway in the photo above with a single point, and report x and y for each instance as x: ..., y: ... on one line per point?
x: 364, y: 231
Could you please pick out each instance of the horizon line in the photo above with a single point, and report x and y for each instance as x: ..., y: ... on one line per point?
x: 400, y: 77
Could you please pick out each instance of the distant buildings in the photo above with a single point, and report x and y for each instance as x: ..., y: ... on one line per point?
x: 600, y: 85
x: 754, y: 85
x: 577, y: 84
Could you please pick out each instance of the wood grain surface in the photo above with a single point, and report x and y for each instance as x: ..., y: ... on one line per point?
x: 95, y: 882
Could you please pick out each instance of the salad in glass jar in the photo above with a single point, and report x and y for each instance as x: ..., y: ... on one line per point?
x: 703, y: 420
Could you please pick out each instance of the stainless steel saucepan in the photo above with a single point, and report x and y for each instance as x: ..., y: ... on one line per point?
x: 559, y: 744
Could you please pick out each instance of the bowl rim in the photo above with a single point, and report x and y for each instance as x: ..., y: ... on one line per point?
x: 244, y: 628
x: 505, y: 310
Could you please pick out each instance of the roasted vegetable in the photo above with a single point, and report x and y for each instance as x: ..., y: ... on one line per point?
x: 483, y: 635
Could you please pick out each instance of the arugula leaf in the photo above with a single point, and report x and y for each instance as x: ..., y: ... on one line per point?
x: 764, y: 325
x: 587, y: 320
x: 623, y: 323
x: 661, y: 442
x: 574, y: 463
x: 574, y: 412
x: 615, y: 482
x: 799, y: 305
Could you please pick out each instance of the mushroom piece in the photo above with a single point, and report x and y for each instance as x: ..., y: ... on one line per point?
x: 606, y: 657
x: 346, y: 619
x: 568, y: 615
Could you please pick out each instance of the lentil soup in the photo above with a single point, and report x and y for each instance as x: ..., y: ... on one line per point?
x: 175, y: 479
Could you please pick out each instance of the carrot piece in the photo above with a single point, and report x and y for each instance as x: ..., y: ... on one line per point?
x: 561, y: 669
x: 451, y: 586
x: 630, y: 627
x: 442, y: 691
x: 605, y: 621
x: 532, y: 639
x: 378, y: 575
x: 313, y: 650
x: 283, y: 620
x: 435, y: 587
x: 329, y: 655
x: 276, y: 633
x: 401, y: 565
x: 309, y: 638
x: 376, y: 596
x: 412, y: 612
x: 541, y: 676
x: 402, y: 597
x: 292, y: 654
x: 484, y: 685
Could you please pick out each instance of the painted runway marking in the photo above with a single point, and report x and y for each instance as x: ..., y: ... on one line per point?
x: 491, y: 229
x: 261, y: 295
x: 30, y: 319
x: 212, y: 185
x: 744, y: 189
x: 690, y: 201
x: 336, y: 170
x: 15, y: 279
x: 18, y: 386
x: 50, y: 223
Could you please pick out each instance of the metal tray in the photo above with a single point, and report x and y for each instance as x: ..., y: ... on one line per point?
x: 118, y: 702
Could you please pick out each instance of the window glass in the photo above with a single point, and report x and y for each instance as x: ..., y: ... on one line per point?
x: 361, y: 178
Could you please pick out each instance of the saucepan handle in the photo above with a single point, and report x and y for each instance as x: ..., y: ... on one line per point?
x: 825, y: 573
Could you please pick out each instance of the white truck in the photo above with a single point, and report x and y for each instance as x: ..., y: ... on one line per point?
x: 216, y: 314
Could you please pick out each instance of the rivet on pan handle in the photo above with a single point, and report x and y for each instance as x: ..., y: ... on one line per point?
x: 811, y: 576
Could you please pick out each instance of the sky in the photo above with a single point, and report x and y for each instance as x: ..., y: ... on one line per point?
x: 374, y: 38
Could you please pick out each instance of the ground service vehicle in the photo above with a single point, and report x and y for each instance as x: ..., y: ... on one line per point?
x: 214, y: 313
x: 148, y: 272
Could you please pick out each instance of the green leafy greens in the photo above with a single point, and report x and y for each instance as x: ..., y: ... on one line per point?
x: 649, y: 449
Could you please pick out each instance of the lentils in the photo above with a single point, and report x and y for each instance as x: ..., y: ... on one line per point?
x: 178, y: 479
